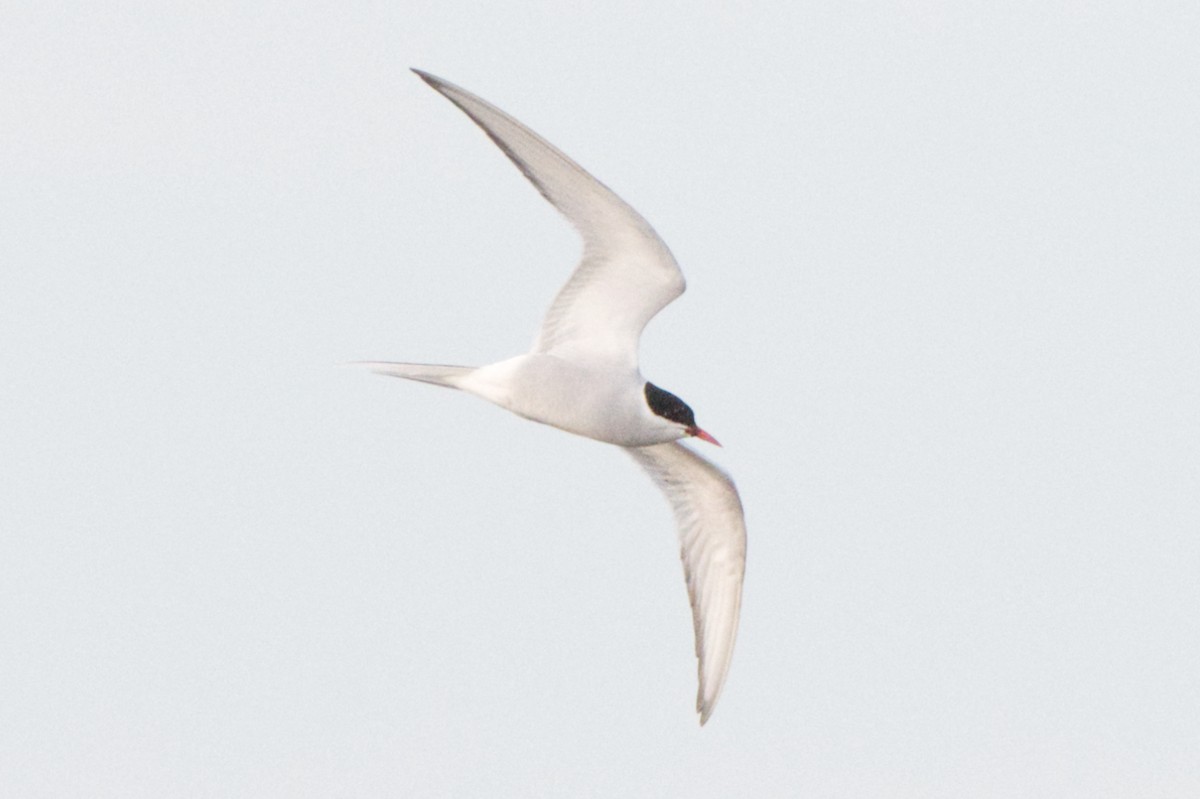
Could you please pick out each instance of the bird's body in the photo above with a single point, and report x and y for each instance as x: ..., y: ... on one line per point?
x: 598, y: 400
x: 582, y: 375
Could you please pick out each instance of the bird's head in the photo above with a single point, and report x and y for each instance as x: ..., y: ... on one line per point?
x: 666, y: 405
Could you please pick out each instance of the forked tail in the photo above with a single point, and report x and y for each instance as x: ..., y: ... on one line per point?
x: 437, y: 374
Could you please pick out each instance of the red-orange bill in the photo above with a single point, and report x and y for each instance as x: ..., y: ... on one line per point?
x: 703, y: 436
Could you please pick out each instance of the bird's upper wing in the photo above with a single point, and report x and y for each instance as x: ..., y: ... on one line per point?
x: 627, y: 274
x: 712, y: 536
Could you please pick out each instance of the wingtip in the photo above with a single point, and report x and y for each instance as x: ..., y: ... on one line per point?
x: 432, y: 80
x: 706, y: 701
x: 705, y: 709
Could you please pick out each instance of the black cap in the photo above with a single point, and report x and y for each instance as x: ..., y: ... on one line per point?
x: 669, y: 406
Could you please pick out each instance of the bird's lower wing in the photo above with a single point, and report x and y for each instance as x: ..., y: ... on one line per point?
x: 712, y: 536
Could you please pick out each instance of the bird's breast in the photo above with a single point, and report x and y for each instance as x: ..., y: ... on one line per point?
x: 599, y: 401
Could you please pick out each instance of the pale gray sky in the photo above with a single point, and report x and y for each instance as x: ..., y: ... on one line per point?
x: 944, y: 269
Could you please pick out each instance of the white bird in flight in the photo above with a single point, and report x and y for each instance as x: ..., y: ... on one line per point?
x: 582, y: 375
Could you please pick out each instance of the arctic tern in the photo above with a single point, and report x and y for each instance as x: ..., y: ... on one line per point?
x: 582, y: 375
